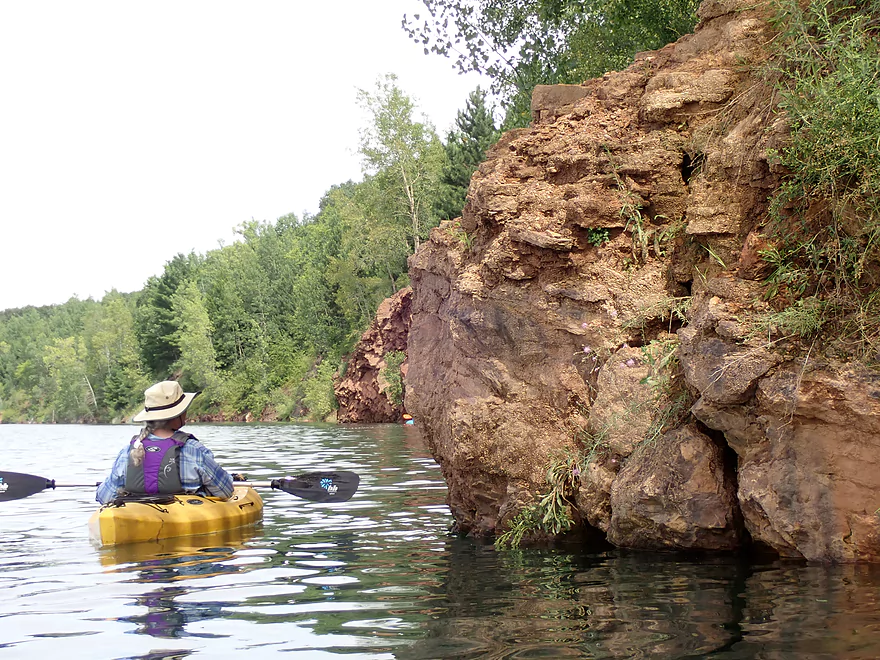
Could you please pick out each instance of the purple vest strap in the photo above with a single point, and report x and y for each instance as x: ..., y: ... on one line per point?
x: 159, y: 472
x: 153, y: 462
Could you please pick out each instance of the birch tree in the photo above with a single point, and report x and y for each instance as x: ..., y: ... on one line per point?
x: 404, y: 157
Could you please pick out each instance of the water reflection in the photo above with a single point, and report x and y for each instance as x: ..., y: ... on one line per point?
x: 167, y: 564
x: 177, y: 549
x: 604, y: 606
x: 547, y: 604
x: 465, y: 600
x: 380, y: 577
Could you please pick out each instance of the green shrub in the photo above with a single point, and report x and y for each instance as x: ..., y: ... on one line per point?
x: 551, y: 515
x: 393, y: 377
x: 825, y: 218
x: 598, y: 235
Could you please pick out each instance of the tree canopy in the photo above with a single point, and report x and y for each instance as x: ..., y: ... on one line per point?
x: 522, y: 43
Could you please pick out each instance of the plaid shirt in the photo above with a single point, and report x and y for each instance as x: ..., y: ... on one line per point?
x: 198, y: 471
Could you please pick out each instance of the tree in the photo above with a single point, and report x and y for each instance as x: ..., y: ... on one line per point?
x: 71, y: 395
x: 316, y: 324
x: 521, y: 43
x: 156, y: 324
x: 112, y: 354
x: 197, y: 362
x: 465, y: 149
x: 403, y: 155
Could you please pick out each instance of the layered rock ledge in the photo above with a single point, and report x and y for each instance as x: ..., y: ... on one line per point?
x: 599, y: 297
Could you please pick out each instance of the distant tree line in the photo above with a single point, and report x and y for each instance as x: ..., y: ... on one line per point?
x: 261, y: 325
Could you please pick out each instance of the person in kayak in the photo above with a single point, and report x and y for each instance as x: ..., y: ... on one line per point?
x: 162, y: 458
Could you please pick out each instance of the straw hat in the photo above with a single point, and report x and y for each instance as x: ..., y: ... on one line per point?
x: 165, y: 400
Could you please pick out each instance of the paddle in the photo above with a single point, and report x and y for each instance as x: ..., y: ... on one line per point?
x: 325, y: 487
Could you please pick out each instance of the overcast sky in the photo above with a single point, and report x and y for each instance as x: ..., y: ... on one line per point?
x: 131, y: 131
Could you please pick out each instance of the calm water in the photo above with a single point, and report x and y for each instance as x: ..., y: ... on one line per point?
x: 379, y: 576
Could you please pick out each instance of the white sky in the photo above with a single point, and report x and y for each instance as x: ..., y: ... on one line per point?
x: 134, y: 130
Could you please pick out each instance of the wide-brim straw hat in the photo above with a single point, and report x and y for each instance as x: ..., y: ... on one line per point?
x: 165, y: 400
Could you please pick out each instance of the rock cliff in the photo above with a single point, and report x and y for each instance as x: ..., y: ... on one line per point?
x: 363, y: 392
x: 600, y: 298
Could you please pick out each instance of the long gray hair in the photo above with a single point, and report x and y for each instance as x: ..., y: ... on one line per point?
x: 137, y: 449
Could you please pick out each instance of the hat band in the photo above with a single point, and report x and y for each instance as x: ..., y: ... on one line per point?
x: 170, y: 405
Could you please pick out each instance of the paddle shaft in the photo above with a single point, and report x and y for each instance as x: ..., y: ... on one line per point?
x: 326, y: 487
x: 51, y: 483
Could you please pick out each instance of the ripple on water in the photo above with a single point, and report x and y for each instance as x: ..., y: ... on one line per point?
x: 379, y: 576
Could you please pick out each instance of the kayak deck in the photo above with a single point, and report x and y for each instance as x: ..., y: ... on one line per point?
x: 187, y: 515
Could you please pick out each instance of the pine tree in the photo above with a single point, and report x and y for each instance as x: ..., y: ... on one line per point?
x: 466, y: 148
x: 155, y: 322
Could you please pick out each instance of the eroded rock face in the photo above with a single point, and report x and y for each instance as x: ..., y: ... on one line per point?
x: 555, y: 324
x: 362, y: 392
x: 806, y: 432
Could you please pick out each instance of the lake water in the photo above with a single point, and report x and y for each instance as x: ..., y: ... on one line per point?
x: 379, y: 576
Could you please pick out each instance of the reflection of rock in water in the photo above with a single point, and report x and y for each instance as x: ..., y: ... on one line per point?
x: 816, y: 611
x: 552, y: 604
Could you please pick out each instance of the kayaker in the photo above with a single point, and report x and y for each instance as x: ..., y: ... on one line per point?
x: 161, y: 458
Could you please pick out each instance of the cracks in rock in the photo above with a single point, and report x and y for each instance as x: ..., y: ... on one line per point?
x: 731, y: 475
x: 755, y: 549
x: 690, y: 164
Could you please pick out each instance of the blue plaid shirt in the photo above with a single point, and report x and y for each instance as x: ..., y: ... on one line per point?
x: 198, y: 471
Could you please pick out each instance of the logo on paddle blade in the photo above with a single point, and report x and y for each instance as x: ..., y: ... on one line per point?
x: 3, y: 486
x: 329, y: 486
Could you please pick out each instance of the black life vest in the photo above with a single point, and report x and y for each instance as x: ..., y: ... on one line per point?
x: 159, y: 472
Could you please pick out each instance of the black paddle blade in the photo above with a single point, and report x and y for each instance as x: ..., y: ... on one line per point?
x: 320, y: 486
x: 15, y: 485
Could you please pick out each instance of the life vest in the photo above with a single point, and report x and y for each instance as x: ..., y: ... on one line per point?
x: 160, y: 470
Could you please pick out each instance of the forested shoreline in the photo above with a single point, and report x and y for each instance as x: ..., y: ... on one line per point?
x: 260, y: 326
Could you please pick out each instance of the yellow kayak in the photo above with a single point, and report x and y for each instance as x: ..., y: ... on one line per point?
x: 185, y: 515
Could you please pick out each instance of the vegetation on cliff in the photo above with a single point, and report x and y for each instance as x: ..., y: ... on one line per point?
x: 825, y: 230
x: 531, y: 42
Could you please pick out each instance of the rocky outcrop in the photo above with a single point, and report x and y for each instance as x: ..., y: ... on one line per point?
x: 600, y: 297
x: 806, y: 433
x: 362, y: 392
